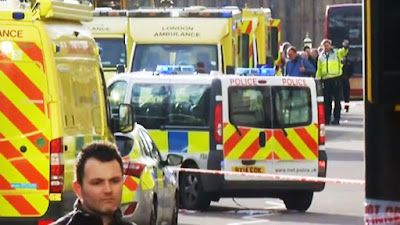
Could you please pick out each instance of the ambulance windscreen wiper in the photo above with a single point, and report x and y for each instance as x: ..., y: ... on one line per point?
x: 237, y: 128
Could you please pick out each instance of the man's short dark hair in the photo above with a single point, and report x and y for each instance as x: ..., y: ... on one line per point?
x: 306, y: 47
x: 100, y: 150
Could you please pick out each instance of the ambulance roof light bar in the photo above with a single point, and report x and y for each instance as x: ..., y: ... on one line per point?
x: 255, y: 71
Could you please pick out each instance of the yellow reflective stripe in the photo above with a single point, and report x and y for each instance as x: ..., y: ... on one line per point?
x: 229, y: 130
x: 313, y: 132
x: 36, y: 116
x: 301, y: 147
x: 6, y: 208
x: 10, y: 173
x: 263, y: 153
x: 161, y: 139
x: 35, y: 74
x: 251, y: 48
x: 127, y: 195
x: 32, y: 68
x: 280, y: 151
x: 199, y: 142
x: 160, y: 178
x: 33, y: 155
x: 38, y: 202
x: 147, y: 181
x: 243, y: 144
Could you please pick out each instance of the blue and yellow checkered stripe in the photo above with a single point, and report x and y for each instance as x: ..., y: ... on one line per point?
x: 181, y: 141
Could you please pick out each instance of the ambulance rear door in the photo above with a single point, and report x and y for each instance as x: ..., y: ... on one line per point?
x: 247, y: 119
x: 24, y: 123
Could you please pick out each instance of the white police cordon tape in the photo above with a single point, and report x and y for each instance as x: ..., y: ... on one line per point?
x: 273, y: 176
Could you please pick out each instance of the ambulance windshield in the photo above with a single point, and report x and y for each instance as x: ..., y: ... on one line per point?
x: 202, y: 57
x: 112, y: 51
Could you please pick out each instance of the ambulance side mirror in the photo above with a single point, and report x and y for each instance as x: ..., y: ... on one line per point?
x: 120, y: 68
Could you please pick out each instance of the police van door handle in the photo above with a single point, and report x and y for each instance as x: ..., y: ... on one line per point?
x: 262, y: 139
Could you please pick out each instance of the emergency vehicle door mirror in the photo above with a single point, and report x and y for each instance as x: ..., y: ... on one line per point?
x: 262, y: 139
x: 120, y: 68
x: 125, y: 118
x: 174, y: 160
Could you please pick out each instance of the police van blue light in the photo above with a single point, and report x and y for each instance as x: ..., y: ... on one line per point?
x: 255, y: 71
x: 175, y: 69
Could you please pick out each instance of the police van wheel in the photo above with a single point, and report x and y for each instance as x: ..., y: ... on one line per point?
x: 298, y: 200
x: 191, y: 192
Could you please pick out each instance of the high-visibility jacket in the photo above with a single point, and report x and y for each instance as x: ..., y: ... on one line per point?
x: 329, y: 64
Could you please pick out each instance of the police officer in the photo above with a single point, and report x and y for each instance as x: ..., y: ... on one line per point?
x: 329, y: 70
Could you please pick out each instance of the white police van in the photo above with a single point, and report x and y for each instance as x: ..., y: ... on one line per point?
x: 256, y: 124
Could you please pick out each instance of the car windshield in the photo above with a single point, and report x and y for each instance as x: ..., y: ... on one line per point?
x: 202, y: 57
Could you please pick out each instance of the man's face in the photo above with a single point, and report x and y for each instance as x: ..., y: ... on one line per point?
x: 292, y: 55
x: 101, y: 189
x: 327, y: 47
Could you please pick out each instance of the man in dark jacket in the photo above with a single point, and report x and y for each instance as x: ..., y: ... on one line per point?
x: 98, y: 186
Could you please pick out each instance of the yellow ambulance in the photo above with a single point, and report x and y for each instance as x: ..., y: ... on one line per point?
x: 260, y: 37
x: 203, y: 38
x: 110, y: 30
x: 52, y: 95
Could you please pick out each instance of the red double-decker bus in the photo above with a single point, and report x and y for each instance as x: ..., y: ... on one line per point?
x: 344, y: 21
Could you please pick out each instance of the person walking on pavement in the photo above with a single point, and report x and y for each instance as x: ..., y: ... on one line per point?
x: 98, y: 186
x: 347, y: 73
x: 330, y: 72
x: 298, y: 66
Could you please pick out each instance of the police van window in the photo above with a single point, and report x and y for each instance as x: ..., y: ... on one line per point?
x: 113, y: 51
x: 292, y: 106
x: 179, y: 105
x: 147, y: 57
x: 117, y: 94
x: 250, y: 106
